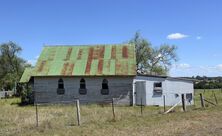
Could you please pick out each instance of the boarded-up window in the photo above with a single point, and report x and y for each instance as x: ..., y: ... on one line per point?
x: 60, y: 89
x: 157, y: 89
x: 105, y: 87
x: 82, y: 88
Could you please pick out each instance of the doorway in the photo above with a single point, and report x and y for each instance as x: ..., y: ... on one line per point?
x: 140, y: 89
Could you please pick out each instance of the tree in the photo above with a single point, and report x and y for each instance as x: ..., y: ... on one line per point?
x: 153, y: 60
x: 12, y: 66
x: 143, y: 52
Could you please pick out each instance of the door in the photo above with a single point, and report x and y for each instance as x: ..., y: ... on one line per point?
x: 140, y: 92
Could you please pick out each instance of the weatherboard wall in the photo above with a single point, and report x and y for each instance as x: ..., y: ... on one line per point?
x: 120, y: 88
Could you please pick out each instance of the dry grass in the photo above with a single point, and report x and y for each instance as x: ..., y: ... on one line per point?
x: 97, y: 120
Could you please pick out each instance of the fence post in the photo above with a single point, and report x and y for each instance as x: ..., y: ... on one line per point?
x: 141, y: 106
x: 202, y: 100
x: 37, y: 116
x: 114, y: 116
x: 78, y: 112
x: 194, y: 101
x: 36, y: 109
x: 215, y: 98
x: 183, y: 102
x: 164, y: 103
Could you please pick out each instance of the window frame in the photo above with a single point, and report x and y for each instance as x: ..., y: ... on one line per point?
x: 60, y: 87
x: 157, y: 89
x: 82, y: 87
x: 105, y: 87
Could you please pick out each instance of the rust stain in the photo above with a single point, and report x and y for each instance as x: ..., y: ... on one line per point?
x: 108, y: 65
x: 113, y: 53
x: 64, y: 69
x: 133, y: 69
x: 96, y: 53
x: 41, y: 66
x: 68, y: 54
x: 118, y: 67
x: 52, y: 55
x: 100, y: 66
x: 125, y: 52
x: 131, y: 52
x: 71, y: 67
x: 89, y: 61
x: 101, y: 52
x: 121, y: 68
x: 80, y: 54
x: 124, y: 68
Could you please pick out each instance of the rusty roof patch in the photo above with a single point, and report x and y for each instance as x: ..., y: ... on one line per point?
x: 52, y: 54
x: 40, y: 69
x: 101, y: 52
x: 68, y: 54
x: 100, y: 67
x: 65, y: 67
x: 80, y: 54
x: 125, y: 52
x: 89, y: 61
x: 113, y: 53
x: 70, y: 69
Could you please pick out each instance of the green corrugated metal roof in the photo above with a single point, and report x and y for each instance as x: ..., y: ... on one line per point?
x: 26, y: 75
x: 96, y: 60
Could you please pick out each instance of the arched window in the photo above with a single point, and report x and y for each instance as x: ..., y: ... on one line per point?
x: 82, y: 84
x: 105, y: 87
x: 82, y: 88
x: 60, y: 89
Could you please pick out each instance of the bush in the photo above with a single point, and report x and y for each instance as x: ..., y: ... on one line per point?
x: 27, y: 96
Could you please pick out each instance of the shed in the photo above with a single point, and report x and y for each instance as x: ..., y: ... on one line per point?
x: 151, y: 90
x: 98, y: 73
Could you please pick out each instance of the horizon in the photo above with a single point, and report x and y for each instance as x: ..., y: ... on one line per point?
x: 193, y: 26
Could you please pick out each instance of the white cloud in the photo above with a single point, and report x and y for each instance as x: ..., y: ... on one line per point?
x: 219, y: 67
x: 33, y: 61
x: 175, y: 36
x: 198, y: 37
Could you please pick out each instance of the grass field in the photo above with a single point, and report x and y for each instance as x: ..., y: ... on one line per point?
x: 98, y: 120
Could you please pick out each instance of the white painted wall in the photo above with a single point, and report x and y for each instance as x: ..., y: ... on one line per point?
x: 170, y: 87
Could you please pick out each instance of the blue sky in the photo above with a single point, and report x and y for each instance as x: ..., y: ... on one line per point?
x: 194, y: 26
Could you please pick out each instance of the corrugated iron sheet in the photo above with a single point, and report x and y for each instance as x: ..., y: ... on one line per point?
x: 26, y: 75
x: 87, y: 60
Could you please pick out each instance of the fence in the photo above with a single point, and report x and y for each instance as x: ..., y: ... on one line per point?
x: 75, y: 113
x: 5, y: 94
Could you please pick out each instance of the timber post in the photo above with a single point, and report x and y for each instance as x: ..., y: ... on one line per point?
x: 141, y: 106
x: 78, y: 112
x: 202, y: 100
x: 113, y: 110
x: 183, y: 102
x: 164, y: 103
x: 215, y: 97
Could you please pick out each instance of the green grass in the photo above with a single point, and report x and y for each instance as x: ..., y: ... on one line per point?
x: 98, y: 120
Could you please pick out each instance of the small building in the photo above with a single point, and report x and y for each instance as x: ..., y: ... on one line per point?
x: 152, y: 90
x: 96, y: 74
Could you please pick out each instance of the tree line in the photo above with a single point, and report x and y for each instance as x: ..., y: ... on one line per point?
x: 205, y: 82
x: 12, y: 66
